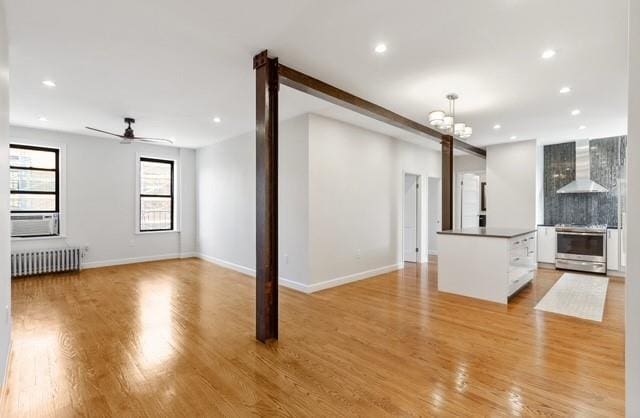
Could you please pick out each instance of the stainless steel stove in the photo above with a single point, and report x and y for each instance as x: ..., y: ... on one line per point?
x: 581, y: 247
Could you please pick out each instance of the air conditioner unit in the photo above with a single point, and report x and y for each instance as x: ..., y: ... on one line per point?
x: 34, y: 224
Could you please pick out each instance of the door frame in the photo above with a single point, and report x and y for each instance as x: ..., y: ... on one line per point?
x: 418, y: 215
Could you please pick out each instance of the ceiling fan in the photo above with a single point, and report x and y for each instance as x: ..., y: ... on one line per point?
x: 129, y: 137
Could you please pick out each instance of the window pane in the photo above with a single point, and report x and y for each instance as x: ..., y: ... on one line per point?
x: 33, y: 202
x: 19, y: 157
x: 155, y: 213
x: 32, y: 181
x: 155, y: 178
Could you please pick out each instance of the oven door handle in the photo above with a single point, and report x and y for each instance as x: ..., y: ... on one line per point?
x: 587, y: 234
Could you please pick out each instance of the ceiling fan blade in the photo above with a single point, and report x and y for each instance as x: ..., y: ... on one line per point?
x: 153, y: 140
x: 104, y: 132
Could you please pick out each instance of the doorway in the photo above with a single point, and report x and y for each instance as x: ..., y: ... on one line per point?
x: 434, y: 198
x: 411, y: 218
x: 470, y: 200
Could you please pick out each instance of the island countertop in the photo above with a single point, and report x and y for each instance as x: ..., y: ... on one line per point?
x: 489, y: 232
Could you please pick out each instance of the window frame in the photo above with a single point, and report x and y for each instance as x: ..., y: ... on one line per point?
x: 141, y: 159
x: 56, y: 170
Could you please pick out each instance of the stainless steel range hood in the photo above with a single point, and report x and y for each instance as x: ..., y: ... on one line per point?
x: 583, y: 182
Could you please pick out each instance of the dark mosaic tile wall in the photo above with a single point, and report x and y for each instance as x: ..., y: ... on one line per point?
x: 608, y: 158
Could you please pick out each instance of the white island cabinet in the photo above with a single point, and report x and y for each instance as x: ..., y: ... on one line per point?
x: 486, y: 263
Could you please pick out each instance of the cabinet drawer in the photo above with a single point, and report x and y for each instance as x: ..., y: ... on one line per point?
x: 519, y: 242
x: 518, y: 278
x: 517, y: 262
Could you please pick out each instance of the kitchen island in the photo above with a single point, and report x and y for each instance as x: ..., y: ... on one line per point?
x: 486, y: 263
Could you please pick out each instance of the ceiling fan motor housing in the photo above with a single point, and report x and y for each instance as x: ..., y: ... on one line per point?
x: 128, y: 132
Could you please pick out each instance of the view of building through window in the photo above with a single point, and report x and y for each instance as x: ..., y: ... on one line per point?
x: 156, y: 195
x: 33, y: 179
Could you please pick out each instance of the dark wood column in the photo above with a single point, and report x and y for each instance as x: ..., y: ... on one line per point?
x: 447, y: 182
x: 267, y: 86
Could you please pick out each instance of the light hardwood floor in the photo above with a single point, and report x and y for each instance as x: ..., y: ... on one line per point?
x: 176, y: 338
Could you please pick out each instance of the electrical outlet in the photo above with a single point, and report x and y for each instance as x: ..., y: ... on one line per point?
x: 6, y: 314
x: 286, y: 258
x: 358, y: 253
x: 132, y: 242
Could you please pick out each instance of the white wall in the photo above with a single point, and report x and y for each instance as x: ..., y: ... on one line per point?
x: 5, y: 245
x: 356, y: 180
x: 226, y: 184
x: 187, y: 200
x: 293, y: 200
x: 340, y: 195
x: 99, y: 198
x: 511, y: 185
x: 633, y: 207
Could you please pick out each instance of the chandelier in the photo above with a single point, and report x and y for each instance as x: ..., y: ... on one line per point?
x: 447, y: 122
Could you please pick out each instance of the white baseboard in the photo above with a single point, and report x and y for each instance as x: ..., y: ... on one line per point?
x: 339, y: 281
x: 433, y: 252
x: 132, y: 260
x: 617, y: 273
x: 291, y: 284
x: 227, y: 264
x: 548, y: 266
x: 191, y: 254
x: 301, y: 287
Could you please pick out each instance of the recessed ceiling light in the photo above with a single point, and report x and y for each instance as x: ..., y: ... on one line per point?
x: 49, y: 83
x: 575, y: 112
x: 217, y: 120
x: 513, y: 137
x: 43, y: 119
x: 381, y: 48
x: 565, y: 90
x: 582, y: 127
x: 548, y: 53
x: 497, y: 126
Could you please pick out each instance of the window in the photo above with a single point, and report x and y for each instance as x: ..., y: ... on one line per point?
x: 156, y: 195
x: 34, y: 179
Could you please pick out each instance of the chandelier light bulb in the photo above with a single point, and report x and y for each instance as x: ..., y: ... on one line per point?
x: 459, y: 128
x: 447, y: 121
x: 467, y: 132
x: 436, y: 118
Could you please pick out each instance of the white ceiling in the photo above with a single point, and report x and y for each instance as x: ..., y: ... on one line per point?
x: 175, y: 65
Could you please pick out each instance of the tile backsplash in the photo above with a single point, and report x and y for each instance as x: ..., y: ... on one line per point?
x: 608, y: 158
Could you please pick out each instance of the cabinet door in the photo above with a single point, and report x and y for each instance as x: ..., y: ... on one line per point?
x: 546, y: 244
x: 612, y: 249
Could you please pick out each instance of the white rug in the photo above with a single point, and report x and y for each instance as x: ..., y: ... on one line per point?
x: 578, y: 295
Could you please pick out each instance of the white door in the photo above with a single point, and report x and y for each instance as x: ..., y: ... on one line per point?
x: 410, y: 218
x: 470, y: 196
x: 435, y: 216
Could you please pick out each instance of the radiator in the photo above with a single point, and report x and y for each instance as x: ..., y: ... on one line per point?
x: 51, y: 260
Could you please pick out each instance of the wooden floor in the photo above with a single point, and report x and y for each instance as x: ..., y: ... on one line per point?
x: 176, y: 338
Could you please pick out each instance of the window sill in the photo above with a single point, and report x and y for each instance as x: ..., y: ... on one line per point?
x: 173, y: 231
x: 38, y: 238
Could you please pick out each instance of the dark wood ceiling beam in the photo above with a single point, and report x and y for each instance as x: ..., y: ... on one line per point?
x: 447, y: 183
x: 307, y: 84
